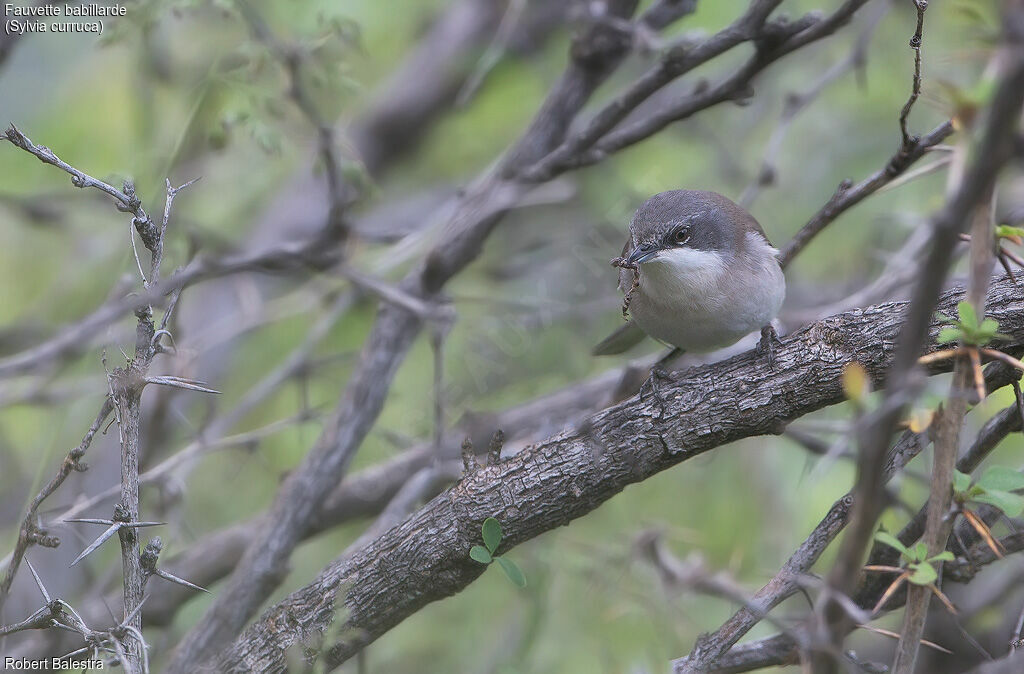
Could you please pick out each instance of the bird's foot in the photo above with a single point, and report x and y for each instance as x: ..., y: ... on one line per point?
x: 660, y: 371
x: 766, y: 347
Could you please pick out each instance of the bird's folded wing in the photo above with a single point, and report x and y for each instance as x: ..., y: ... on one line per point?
x: 623, y: 339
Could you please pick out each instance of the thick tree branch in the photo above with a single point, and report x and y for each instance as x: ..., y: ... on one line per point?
x: 567, y: 476
x: 367, y: 492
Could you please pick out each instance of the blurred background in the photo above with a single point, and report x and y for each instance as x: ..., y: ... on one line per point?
x: 424, y: 96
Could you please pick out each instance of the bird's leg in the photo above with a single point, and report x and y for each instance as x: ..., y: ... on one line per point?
x: 661, y: 367
x: 660, y: 371
x: 766, y: 347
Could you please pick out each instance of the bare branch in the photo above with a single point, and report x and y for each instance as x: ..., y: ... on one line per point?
x: 848, y: 195
x: 775, y: 41
x: 915, y: 44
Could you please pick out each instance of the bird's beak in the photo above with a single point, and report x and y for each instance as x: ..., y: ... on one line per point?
x: 642, y: 253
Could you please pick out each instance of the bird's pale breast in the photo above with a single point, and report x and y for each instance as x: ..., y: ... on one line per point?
x: 691, y: 299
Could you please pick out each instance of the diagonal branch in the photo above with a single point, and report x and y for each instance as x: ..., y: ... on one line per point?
x: 848, y: 195
x: 569, y: 475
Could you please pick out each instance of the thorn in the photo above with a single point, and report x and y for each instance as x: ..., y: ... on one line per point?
x: 74, y: 653
x: 1006, y: 266
x: 155, y: 341
x: 180, y: 581
x: 89, y: 520
x: 188, y: 184
x: 99, y: 541
x: 124, y: 523
x: 39, y: 582
x: 179, y: 382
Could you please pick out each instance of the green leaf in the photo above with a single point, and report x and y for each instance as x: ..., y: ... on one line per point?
x: 1003, y: 231
x: 892, y: 542
x: 989, y: 326
x: 944, y: 556
x: 961, y: 482
x: 478, y: 553
x: 1002, y: 478
x: 512, y: 571
x: 1011, y: 504
x: 968, y: 316
x: 949, y: 334
x: 920, y: 551
x: 491, y: 530
x: 924, y: 574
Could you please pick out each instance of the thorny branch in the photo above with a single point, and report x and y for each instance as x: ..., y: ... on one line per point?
x: 125, y: 386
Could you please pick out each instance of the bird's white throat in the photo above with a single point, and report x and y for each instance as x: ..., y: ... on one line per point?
x: 681, y: 274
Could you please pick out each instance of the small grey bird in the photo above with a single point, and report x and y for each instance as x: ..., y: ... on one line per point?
x: 698, y: 273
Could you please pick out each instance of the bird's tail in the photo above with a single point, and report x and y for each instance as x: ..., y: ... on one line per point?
x: 623, y: 339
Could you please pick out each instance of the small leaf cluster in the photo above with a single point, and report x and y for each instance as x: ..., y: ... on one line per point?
x: 920, y: 567
x: 491, y: 531
x: 995, y: 487
x: 1010, y: 233
x: 967, y: 329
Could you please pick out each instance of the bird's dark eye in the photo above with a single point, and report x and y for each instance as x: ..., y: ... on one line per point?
x: 681, y: 235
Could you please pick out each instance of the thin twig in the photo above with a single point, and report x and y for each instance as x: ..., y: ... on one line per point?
x: 29, y: 533
x: 848, y: 195
x: 915, y: 44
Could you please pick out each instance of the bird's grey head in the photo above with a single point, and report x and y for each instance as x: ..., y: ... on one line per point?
x: 686, y: 223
